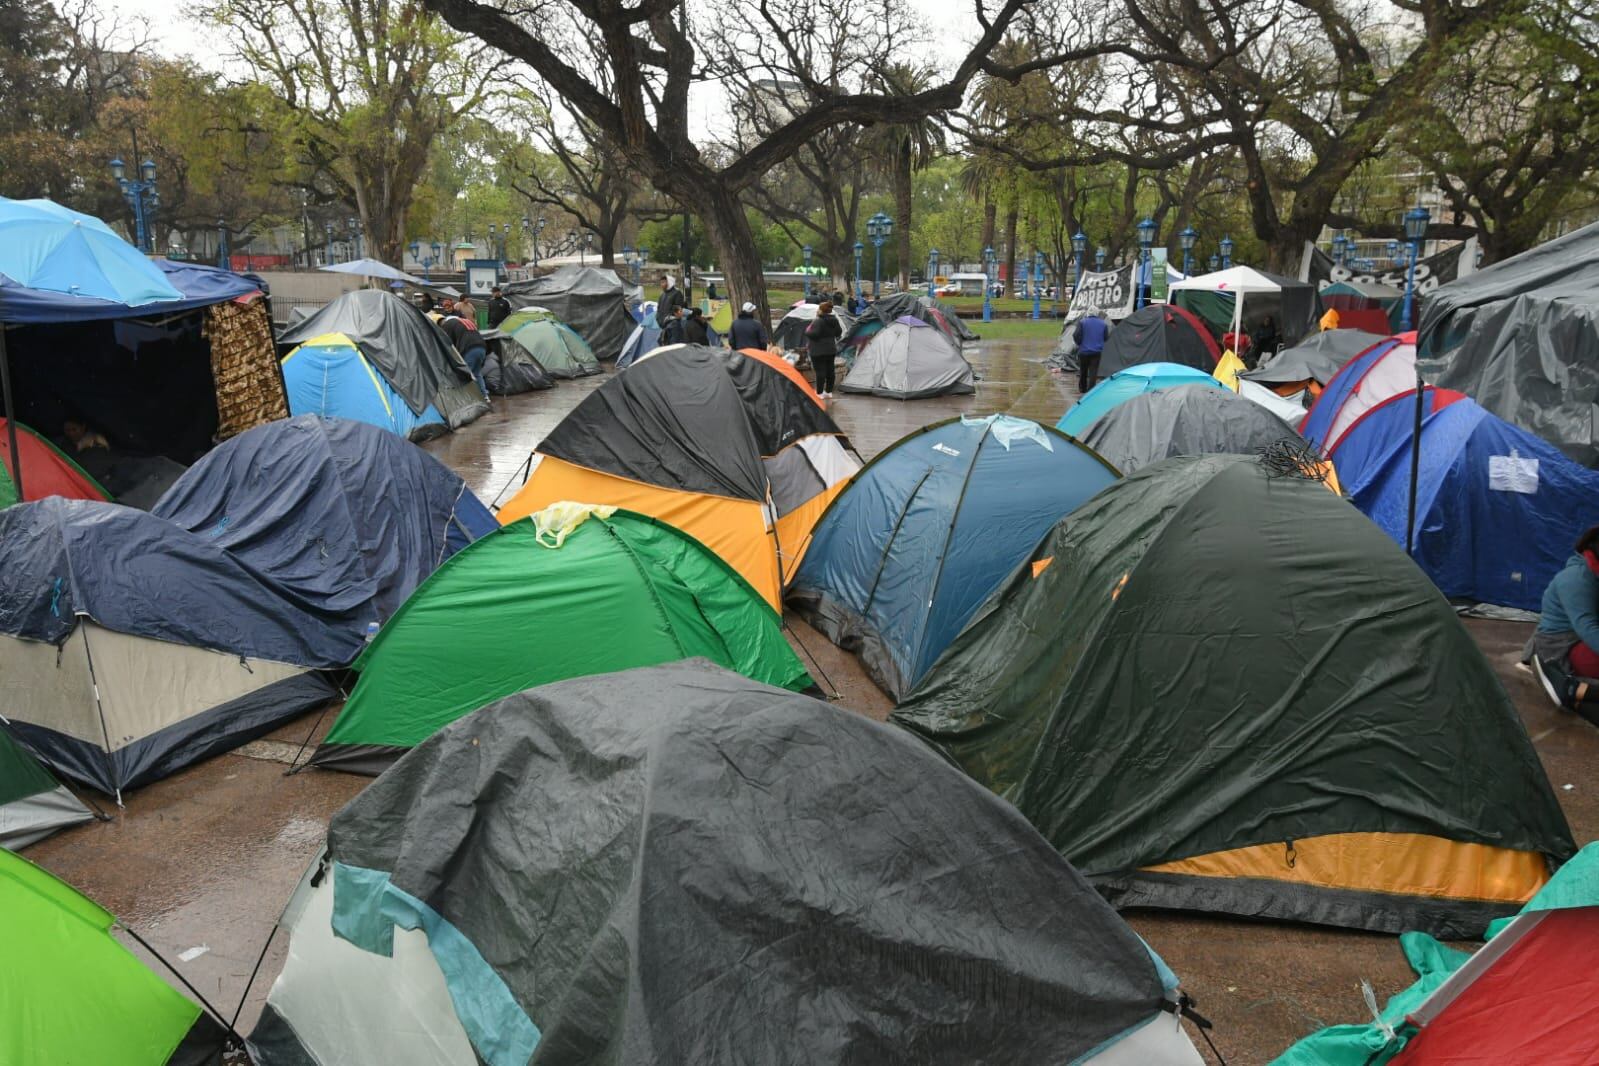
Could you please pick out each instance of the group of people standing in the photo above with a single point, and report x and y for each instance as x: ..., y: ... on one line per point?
x: 458, y: 320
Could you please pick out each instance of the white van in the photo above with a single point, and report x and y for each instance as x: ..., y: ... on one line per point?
x: 963, y: 285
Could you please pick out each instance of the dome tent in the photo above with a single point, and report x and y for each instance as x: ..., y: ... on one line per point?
x: 552, y: 345
x: 524, y: 607
x: 1219, y: 688
x: 591, y: 301
x: 745, y: 882
x: 890, y: 309
x: 47, y: 471
x: 1159, y: 333
x: 371, y: 356
x: 510, y: 369
x: 1186, y: 420
x: 1312, y: 363
x: 789, y: 334
x: 910, y: 360
x: 1124, y: 385
x: 1497, y: 509
x: 1384, y: 370
x: 645, y: 338
x: 928, y: 529
x: 33, y: 804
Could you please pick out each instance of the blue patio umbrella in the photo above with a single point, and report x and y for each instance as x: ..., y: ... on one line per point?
x: 46, y: 246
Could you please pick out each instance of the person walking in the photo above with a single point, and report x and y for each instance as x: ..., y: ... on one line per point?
x: 695, y: 329
x: 746, y: 331
x: 669, y: 302
x: 1089, y: 336
x: 821, y: 340
x: 499, y: 308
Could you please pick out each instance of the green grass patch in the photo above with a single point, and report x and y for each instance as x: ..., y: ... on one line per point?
x: 1008, y: 328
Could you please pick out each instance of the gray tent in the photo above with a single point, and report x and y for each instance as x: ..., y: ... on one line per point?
x: 1522, y: 339
x: 33, y: 804
x: 591, y: 300
x: 789, y: 334
x: 1183, y: 420
x: 408, y: 348
x: 910, y: 360
x: 1317, y: 358
x: 676, y: 864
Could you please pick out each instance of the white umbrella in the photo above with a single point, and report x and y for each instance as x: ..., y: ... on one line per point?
x: 373, y: 268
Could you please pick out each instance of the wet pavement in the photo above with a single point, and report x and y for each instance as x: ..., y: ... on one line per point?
x: 207, y: 858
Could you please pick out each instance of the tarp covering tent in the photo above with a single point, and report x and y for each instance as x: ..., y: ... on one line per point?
x: 1536, y: 1007
x: 1313, y: 362
x: 890, y: 309
x: 1186, y: 420
x: 1360, y: 303
x: 1124, y: 385
x: 33, y: 804
x: 1497, y: 509
x: 71, y: 993
x: 1291, y: 409
x: 670, y: 438
x: 746, y: 882
x: 1521, y: 337
x: 1218, y: 687
x: 130, y: 647
x: 557, y: 349
x: 337, y: 517
x: 591, y: 300
x: 1159, y: 333
x: 510, y: 369
x: 1385, y: 369
x: 399, y: 345
x: 928, y: 529
x: 1241, y: 297
x: 789, y: 334
x: 910, y: 360
x: 47, y: 470
x: 559, y: 595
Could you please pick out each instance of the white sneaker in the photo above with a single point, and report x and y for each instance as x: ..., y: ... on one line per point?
x: 1548, y: 685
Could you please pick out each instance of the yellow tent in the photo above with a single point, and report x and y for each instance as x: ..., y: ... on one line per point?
x: 1228, y: 369
x: 721, y: 316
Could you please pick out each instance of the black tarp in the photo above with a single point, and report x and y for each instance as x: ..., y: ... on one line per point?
x: 1159, y: 333
x: 1184, y: 420
x: 1316, y: 358
x: 511, y: 368
x: 1214, y: 655
x: 408, y: 348
x: 678, y: 423
x: 591, y: 300
x: 891, y: 309
x: 678, y: 865
x: 1522, y: 339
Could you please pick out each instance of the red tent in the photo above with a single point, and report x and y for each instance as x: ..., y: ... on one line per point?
x: 1531, y: 995
x: 46, y: 471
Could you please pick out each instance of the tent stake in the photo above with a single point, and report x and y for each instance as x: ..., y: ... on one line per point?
x: 11, y: 418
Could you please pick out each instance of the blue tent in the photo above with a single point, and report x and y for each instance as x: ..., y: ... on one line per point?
x: 1497, y: 509
x: 644, y: 339
x: 331, y: 377
x: 1124, y: 385
x: 130, y: 647
x: 904, y: 557
x: 339, y: 518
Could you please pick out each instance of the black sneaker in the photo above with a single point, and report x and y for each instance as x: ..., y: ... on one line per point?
x: 1548, y: 684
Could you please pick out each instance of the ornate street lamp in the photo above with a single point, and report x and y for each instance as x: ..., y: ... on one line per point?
x: 932, y: 271
x: 1215, y: 262
x: 1099, y: 260
x: 1226, y: 253
x: 878, y: 229
x: 141, y: 195
x: 1080, y: 249
x: 1416, y: 220
x: 224, y: 260
x: 1188, y: 237
x: 806, y: 252
x: 859, y: 293
x: 1146, y: 241
x: 988, y: 284
x: 1340, y: 247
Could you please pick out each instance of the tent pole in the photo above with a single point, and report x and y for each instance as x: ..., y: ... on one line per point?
x: 11, y: 418
x: 1415, y: 464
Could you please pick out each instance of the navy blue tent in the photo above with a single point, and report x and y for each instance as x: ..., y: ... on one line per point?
x: 903, y: 558
x: 339, y: 518
x: 130, y: 647
x: 200, y: 285
x: 1497, y: 509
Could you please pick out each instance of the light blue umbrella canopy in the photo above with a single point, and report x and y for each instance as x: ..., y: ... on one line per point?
x: 46, y: 246
x: 1123, y: 386
x: 374, y: 268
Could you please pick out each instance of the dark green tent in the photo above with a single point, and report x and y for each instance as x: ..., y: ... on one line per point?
x: 520, y: 608
x: 1220, y: 688
x: 33, y: 804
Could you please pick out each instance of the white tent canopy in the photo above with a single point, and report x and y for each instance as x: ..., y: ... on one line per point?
x: 1239, y: 282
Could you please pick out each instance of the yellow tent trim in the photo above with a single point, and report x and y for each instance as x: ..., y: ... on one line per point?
x: 794, y: 529
x: 1409, y: 864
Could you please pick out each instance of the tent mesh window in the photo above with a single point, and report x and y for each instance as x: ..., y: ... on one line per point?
x: 244, y: 363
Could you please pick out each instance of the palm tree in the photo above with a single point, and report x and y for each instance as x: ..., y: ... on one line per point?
x: 901, y: 151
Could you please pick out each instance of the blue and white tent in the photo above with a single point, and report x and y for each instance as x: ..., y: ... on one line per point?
x: 1497, y: 509
x: 906, y: 555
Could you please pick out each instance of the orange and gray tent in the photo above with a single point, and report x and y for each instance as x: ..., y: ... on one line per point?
x: 1218, y: 687
x: 673, y: 438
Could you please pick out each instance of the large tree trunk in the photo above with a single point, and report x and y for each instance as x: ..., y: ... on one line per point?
x: 990, y: 215
x: 902, y: 210
x: 1011, y: 216
x: 732, y: 241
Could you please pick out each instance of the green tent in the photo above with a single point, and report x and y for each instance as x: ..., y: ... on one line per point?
x: 72, y: 995
x: 1217, y: 686
x: 554, y: 344
x: 521, y: 608
x: 33, y: 804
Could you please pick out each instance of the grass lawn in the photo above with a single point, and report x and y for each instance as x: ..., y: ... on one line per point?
x: 968, y: 307
x: 1005, y: 328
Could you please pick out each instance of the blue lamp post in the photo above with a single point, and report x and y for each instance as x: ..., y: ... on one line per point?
x: 355, y: 236
x: 427, y: 261
x: 860, y: 293
x: 1038, y: 284
x: 1226, y: 253
x: 878, y: 228
x: 632, y: 263
x: 988, y: 284
x: 1099, y: 260
x: 1146, y: 241
x: 1188, y: 237
x: 1416, y: 220
x: 1215, y: 262
x: 1080, y: 249
x: 806, y: 251
x: 141, y: 195
x: 932, y: 271
x: 224, y: 260
x: 1393, y: 252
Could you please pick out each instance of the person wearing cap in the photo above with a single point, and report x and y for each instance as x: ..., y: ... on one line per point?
x: 747, y: 331
x: 499, y: 308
